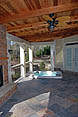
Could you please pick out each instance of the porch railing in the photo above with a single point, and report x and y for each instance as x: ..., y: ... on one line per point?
x: 16, y: 70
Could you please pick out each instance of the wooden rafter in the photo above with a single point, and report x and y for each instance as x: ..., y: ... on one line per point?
x: 54, y: 9
x: 27, y: 26
x: 37, y: 25
x: 52, y: 35
x: 31, y: 32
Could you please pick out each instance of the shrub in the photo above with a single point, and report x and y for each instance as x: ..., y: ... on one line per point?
x: 38, y: 53
x: 42, y: 66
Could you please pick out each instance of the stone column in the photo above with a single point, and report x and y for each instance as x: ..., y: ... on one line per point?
x: 22, y: 61
x: 30, y: 59
x: 3, y: 54
x: 9, y: 62
x: 52, y: 57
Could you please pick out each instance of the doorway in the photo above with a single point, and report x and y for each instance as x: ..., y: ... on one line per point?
x: 71, y: 57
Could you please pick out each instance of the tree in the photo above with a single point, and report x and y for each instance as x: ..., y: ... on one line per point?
x: 38, y: 53
x: 47, y: 50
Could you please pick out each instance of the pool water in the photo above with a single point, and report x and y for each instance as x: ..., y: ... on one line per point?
x: 48, y: 74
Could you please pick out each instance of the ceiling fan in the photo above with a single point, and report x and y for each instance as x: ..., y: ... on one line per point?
x: 54, y: 21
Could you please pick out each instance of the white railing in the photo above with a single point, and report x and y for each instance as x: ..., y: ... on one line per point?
x: 14, y: 66
x: 19, y: 65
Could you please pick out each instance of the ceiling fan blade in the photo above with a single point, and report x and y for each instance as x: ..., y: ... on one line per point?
x: 63, y: 19
x: 46, y: 17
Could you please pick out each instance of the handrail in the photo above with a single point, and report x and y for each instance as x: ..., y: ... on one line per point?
x: 28, y: 62
x: 18, y: 65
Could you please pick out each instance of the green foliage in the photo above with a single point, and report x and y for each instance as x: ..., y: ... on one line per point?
x: 27, y: 57
x: 38, y: 53
x: 42, y: 66
x: 47, y: 50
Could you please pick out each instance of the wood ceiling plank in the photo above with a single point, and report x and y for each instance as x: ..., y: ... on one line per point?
x: 19, y: 5
x: 53, y: 35
x: 55, y: 2
x: 65, y: 27
x: 29, y: 32
x: 37, y: 2
x: 4, y: 1
x: 3, y: 10
x: 24, y: 26
x: 42, y: 40
x: 7, y: 9
x: 63, y: 1
x: 43, y: 3
x: 10, y: 6
x: 32, y: 2
x: 28, y: 5
x: 54, y: 9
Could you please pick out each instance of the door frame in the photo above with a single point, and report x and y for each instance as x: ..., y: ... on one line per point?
x: 64, y: 54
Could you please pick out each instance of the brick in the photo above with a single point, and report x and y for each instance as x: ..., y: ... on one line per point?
x: 3, y: 52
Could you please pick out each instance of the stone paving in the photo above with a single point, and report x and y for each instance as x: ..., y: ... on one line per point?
x: 44, y: 98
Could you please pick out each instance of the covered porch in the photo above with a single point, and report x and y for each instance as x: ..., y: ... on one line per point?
x: 39, y: 22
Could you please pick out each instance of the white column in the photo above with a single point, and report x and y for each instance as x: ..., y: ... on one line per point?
x: 52, y: 57
x: 9, y: 62
x: 22, y: 61
x: 30, y: 59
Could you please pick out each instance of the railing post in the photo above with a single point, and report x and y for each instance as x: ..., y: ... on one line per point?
x: 30, y: 59
x: 9, y: 62
x: 52, y: 57
x: 22, y: 61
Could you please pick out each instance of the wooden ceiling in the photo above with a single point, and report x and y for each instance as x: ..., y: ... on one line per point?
x: 28, y: 18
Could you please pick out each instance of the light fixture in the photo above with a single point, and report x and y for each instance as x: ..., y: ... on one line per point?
x: 52, y: 23
x: 51, y: 28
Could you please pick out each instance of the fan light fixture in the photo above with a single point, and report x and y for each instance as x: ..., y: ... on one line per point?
x: 52, y: 23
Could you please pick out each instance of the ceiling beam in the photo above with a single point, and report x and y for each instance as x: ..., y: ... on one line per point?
x: 53, y: 9
x: 42, y: 43
x: 52, y: 35
x: 34, y: 25
x: 31, y: 32
x: 27, y: 26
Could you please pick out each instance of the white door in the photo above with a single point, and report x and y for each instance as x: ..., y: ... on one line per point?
x: 72, y: 58
x: 69, y: 59
x: 75, y: 58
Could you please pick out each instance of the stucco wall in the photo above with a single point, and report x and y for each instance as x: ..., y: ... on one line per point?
x: 60, y: 50
x: 59, y: 53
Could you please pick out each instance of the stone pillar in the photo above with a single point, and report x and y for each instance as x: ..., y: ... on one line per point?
x: 22, y: 61
x: 3, y: 54
x: 30, y: 59
x: 52, y: 57
x: 9, y: 62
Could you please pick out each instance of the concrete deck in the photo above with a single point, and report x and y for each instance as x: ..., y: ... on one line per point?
x: 44, y: 98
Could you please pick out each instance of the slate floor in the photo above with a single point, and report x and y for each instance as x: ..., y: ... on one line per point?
x: 44, y: 98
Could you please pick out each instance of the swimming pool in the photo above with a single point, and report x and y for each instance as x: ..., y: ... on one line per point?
x: 48, y: 74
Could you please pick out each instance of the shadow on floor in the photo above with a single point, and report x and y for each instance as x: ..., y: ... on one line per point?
x: 39, y: 94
